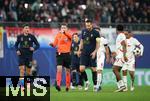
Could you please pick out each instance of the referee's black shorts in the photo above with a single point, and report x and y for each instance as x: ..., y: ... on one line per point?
x: 64, y: 59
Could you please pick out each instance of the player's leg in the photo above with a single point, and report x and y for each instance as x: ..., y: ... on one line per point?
x: 124, y: 73
x: 22, y: 65
x: 93, y: 65
x: 94, y: 78
x: 28, y: 71
x: 34, y: 68
x: 80, y: 79
x: 74, y: 79
x: 120, y: 82
x: 83, y: 73
x: 84, y: 61
x: 132, y: 80
x: 80, y: 82
x: 28, y: 64
x: 84, y: 77
x: 28, y: 68
x: 21, y: 79
x: 132, y: 72
x: 100, y: 66
x: 74, y: 66
x: 116, y: 69
x: 99, y: 80
x: 22, y: 71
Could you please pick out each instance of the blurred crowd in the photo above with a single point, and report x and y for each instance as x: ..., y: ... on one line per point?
x: 73, y: 11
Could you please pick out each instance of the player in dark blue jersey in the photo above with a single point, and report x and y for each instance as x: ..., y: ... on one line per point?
x: 87, y: 51
x: 25, y: 45
x: 75, y: 62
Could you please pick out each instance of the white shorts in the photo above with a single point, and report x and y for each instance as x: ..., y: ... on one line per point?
x: 100, y: 60
x: 119, y: 62
x: 130, y: 66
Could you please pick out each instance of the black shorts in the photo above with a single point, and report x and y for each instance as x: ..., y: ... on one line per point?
x: 64, y: 59
x: 75, y: 65
x: 25, y: 60
x: 87, y: 60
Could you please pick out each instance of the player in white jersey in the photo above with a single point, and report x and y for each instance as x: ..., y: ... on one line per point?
x: 102, y: 51
x: 130, y: 64
x: 120, y: 57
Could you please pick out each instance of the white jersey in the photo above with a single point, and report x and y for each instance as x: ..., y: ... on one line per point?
x: 101, y: 53
x: 131, y: 44
x: 119, y: 49
x: 103, y: 42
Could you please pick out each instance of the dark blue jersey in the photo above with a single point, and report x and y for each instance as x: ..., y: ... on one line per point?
x: 74, y: 49
x: 24, y: 42
x: 89, y: 40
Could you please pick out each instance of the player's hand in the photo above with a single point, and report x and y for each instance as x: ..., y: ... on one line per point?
x: 18, y: 52
x: 93, y: 54
x: 125, y: 59
x: 78, y: 53
x: 113, y: 54
x: 31, y: 49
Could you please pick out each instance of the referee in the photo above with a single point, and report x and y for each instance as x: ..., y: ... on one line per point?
x: 62, y: 43
x: 25, y: 45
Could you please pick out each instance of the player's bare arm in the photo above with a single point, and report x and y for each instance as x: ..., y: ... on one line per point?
x: 142, y: 49
x: 107, y: 54
x: 123, y: 43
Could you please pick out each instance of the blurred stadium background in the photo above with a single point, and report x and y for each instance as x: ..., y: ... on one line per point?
x: 45, y: 16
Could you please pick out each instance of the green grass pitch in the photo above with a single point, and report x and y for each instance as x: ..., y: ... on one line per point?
x: 107, y: 93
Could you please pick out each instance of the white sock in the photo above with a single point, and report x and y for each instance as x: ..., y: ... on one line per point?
x: 121, y: 83
x: 118, y: 85
x: 99, y: 79
x: 125, y: 81
x: 132, y: 84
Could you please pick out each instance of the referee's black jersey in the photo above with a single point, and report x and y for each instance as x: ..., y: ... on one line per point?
x: 24, y: 42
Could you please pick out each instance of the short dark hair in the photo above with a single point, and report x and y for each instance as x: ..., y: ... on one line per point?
x: 128, y: 30
x: 74, y: 34
x: 25, y: 25
x: 64, y: 24
x: 119, y: 27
